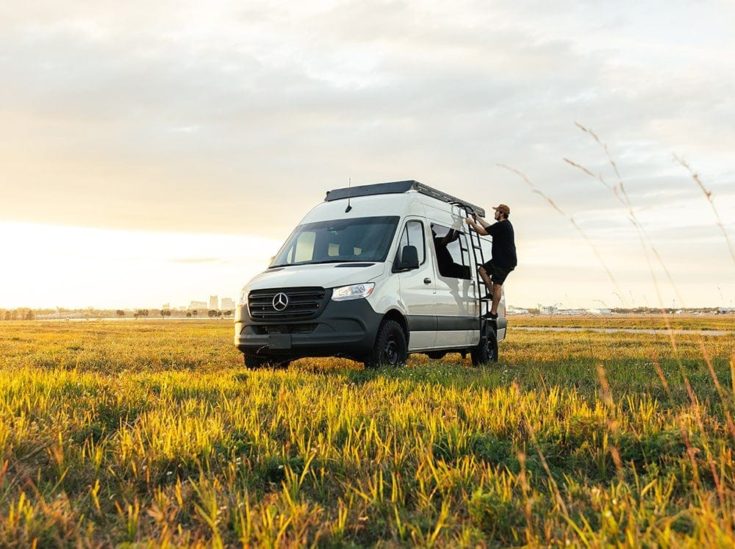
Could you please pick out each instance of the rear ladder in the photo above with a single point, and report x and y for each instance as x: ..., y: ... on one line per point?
x: 479, y: 257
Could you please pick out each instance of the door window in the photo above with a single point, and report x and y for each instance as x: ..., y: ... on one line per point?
x: 413, y: 235
x: 451, y: 260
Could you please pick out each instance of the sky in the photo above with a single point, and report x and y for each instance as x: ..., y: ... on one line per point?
x: 160, y: 153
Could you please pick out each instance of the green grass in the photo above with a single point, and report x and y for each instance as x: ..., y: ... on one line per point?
x: 152, y: 433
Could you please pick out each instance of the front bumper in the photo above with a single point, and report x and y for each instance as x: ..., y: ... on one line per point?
x: 344, y: 328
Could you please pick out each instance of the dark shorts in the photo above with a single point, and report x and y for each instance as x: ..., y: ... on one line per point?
x: 496, y: 272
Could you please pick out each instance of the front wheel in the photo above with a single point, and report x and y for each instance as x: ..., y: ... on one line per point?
x: 391, y: 348
x: 487, y: 350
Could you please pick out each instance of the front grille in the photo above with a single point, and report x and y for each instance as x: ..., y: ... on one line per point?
x: 303, y: 304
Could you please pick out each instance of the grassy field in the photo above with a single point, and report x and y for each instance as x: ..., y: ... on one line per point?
x: 675, y: 322
x: 152, y: 433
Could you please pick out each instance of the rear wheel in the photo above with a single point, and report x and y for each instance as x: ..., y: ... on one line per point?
x: 487, y: 350
x: 391, y: 348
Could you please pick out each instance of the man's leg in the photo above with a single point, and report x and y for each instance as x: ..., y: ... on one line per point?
x: 497, y: 292
x: 487, y: 279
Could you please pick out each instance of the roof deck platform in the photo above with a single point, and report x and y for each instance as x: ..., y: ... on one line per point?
x: 399, y: 187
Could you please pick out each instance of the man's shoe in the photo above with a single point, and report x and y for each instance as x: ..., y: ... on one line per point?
x: 492, y: 316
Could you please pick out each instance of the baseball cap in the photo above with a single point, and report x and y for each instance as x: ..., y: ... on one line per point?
x: 502, y: 208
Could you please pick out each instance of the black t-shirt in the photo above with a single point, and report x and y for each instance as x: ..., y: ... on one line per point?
x: 504, y: 246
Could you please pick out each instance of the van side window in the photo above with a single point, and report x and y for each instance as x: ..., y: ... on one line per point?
x: 451, y: 262
x: 413, y: 235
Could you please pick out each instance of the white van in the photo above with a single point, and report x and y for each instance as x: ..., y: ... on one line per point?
x: 373, y: 273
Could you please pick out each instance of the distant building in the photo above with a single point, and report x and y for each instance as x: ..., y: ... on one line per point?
x: 213, y: 302
x: 197, y: 305
x: 227, y: 304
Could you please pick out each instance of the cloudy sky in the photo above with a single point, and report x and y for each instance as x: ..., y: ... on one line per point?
x: 160, y: 153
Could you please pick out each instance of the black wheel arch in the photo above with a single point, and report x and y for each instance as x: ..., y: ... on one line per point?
x: 396, y: 315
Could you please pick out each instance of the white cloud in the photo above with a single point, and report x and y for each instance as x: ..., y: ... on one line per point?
x: 227, y: 118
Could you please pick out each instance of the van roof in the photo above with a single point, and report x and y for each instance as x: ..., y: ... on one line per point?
x: 398, y: 187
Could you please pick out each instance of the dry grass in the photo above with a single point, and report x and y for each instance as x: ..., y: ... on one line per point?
x: 657, y: 321
x: 151, y: 433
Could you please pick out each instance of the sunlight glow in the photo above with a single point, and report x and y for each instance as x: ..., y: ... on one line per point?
x: 47, y: 265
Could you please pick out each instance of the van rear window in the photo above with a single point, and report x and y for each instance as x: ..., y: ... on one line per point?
x: 338, y: 241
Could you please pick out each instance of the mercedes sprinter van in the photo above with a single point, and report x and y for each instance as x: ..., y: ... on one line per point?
x: 373, y: 273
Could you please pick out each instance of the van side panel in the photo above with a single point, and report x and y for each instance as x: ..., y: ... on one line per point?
x: 456, y: 303
x: 408, y: 291
x: 418, y: 293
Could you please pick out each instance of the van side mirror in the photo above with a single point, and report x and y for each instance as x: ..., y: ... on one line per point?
x: 409, y: 258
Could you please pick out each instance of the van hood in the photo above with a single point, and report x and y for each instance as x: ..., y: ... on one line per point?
x: 326, y: 275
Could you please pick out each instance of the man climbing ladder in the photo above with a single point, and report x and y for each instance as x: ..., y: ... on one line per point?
x: 504, y: 260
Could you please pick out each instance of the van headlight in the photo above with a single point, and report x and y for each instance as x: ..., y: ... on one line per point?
x: 243, y: 297
x: 355, y: 291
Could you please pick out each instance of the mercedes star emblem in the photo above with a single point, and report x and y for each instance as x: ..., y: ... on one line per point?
x: 280, y: 301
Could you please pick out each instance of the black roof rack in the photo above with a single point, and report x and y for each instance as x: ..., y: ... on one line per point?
x: 398, y: 187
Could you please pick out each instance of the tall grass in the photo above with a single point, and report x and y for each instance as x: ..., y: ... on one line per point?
x: 152, y: 433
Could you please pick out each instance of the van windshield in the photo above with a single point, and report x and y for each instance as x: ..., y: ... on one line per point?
x: 338, y: 241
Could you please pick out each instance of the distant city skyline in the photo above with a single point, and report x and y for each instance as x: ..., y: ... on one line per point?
x: 215, y: 302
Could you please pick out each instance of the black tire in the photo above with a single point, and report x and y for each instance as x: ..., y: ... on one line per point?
x: 391, y: 348
x: 436, y: 355
x: 487, y: 350
x: 253, y: 362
